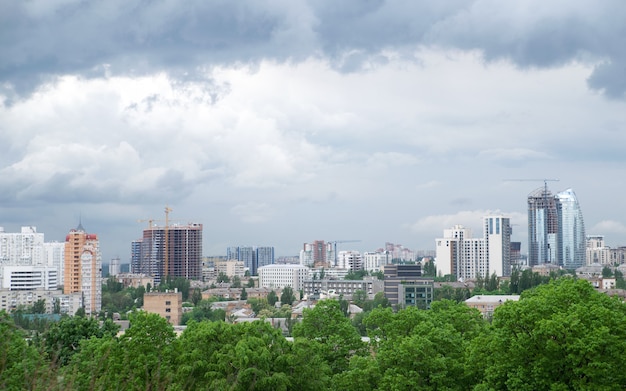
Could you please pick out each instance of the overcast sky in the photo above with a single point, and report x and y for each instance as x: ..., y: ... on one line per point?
x: 281, y: 122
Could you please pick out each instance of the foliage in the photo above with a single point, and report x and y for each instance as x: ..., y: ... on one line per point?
x: 62, y: 339
x: 244, y: 294
x: 356, y: 275
x: 287, y: 296
x: 21, y: 365
x: 175, y: 283
x: 222, y: 277
x: 196, y: 296
x: 203, y: 311
x: 250, y: 283
x: 326, y: 324
x: 429, y: 269
x: 272, y: 298
x: 563, y: 335
x: 235, y: 282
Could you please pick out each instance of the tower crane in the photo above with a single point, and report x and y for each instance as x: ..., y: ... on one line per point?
x: 334, y: 242
x: 544, y: 180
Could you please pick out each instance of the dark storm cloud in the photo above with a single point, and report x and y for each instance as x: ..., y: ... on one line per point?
x: 41, y: 39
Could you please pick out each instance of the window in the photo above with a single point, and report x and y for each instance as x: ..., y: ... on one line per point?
x: 168, y: 303
x: 168, y: 310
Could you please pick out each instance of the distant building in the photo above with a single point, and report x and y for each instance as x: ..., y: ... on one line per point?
x: 345, y: 288
x: 317, y: 254
x: 10, y: 300
x: 486, y: 304
x: 251, y: 256
x: 350, y: 260
x: 180, y: 255
x: 404, y: 286
x: 375, y: 261
x: 29, y: 278
x: 465, y: 257
x: 25, y: 248
x: 280, y: 276
x: 134, y: 280
x: 168, y: 305
x: 83, y: 268
x: 231, y: 268
x: 115, y: 267
x: 556, y: 229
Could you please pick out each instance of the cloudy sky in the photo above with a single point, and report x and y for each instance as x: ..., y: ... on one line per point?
x: 281, y: 122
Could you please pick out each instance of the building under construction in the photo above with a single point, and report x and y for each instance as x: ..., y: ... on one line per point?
x: 543, y: 227
x: 170, y: 250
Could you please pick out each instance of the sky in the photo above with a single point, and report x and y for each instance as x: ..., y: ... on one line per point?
x: 280, y: 122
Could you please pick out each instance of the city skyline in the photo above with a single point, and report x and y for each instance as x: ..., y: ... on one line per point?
x: 282, y: 123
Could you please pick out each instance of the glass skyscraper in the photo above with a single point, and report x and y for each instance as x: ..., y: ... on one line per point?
x: 571, y: 235
x: 556, y: 231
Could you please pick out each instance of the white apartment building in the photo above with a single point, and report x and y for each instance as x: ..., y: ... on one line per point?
x: 350, y: 260
x: 280, y: 276
x: 54, y: 256
x: 597, y: 251
x: 29, y: 278
x: 375, y: 261
x: 23, y: 248
x: 68, y: 303
x: 465, y: 257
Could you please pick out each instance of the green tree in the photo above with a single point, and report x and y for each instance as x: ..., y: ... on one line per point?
x: 39, y: 307
x: 327, y: 325
x: 196, y: 296
x: 62, y: 339
x: 235, y: 282
x: 244, y: 294
x: 222, y: 277
x: 272, y: 298
x: 287, y: 296
x: 22, y: 367
x: 250, y: 283
x: 563, y: 335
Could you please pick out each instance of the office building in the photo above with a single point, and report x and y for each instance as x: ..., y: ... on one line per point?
x: 374, y: 261
x: 174, y: 250
x: 404, y: 286
x: 465, y: 257
x: 83, y: 268
x: 345, y: 288
x: 29, y: 278
x: 264, y: 257
x: 252, y: 257
x: 280, y: 276
x: 556, y: 230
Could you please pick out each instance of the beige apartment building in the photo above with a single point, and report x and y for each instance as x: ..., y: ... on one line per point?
x: 169, y: 305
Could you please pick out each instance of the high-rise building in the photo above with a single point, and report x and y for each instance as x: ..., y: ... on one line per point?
x: 556, y: 229
x: 542, y: 227
x: 461, y: 255
x: 174, y: 251
x: 264, y: 257
x: 571, y: 239
x: 83, y: 268
x: 350, y: 260
x: 23, y: 248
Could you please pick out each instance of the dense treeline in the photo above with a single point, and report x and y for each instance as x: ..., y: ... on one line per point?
x: 560, y: 336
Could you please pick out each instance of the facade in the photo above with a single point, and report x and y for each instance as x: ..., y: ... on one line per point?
x: 342, y: 287
x: 54, y: 256
x: 400, y: 253
x: 571, y: 239
x: 350, y: 260
x: 68, y: 303
x: 174, y: 250
x: 375, y: 261
x: 83, y: 268
x: 317, y: 254
x: 280, y: 276
x: 168, y: 305
x: 405, y: 286
x: 556, y: 229
x: 115, y: 267
x: 29, y: 278
x: 23, y: 248
x: 134, y: 280
x: 596, y: 251
x: 465, y: 257
x: 231, y: 268
x: 264, y: 257
x: 488, y: 303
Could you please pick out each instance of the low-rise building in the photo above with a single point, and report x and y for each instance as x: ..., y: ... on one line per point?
x: 169, y: 305
x: 486, y: 304
x: 346, y: 288
x: 134, y: 280
x: 231, y: 268
x: 404, y: 286
x: 11, y: 300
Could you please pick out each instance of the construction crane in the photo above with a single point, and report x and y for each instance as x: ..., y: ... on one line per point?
x: 545, y: 182
x: 334, y: 242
